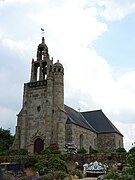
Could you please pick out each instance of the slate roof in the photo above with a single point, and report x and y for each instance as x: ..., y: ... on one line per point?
x: 93, y: 120
x: 77, y: 118
x: 100, y: 122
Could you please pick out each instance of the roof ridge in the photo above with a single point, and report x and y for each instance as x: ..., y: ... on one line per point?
x: 86, y: 121
x: 111, y: 123
x: 91, y: 111
x: 77, y: 118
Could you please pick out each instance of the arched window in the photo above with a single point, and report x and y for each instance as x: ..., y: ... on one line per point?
x: 38, y: 146
x: 81, y: 141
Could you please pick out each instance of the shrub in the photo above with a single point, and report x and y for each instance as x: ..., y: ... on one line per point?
x: 41, y: 166
x: 120, y: 150
x: 48, y: 176
x: 22, y: 151
x: 56, y: 164
x: 4, y: 153
x: 7, y: 176
x: 128, y: 173
x: 31, y: 162
x: 52, y: 149
x: 82, y: 151
x: 132, y: 150
x: 111, y: 176
x: 77, y: 172
x: 55, y: 146
x: 59, y: 175
x: 94, y: 151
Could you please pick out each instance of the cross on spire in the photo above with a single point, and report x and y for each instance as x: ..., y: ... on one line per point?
x: 79, y: 109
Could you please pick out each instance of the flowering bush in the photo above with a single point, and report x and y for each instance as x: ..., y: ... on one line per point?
x: 70, y: 148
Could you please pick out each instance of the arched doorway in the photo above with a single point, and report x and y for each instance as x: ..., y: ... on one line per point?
x: 38, y: 146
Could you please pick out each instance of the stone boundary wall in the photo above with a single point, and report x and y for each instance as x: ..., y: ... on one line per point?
x: 100, y: 157
x: 80, y: 158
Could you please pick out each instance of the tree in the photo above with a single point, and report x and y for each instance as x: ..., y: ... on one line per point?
x: 120, y: 150
x: 132, y: 150
x: 6, y: 139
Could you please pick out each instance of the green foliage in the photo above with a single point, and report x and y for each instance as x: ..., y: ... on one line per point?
x: 48, y: 176
x: 77, y: 172
x: 130, y: 165
x: 82, y: 151
x: 56, y: 164
x: 8, y: 175
x: 52, y: 149
x: 94, y: 151
x: 128, y: 171
x: 41, y: 166
x: 22, y: 151
x: 12, y: 152
x: 31, y: 162
x: 130, y: 160
x: 4, y: 153
x: 132, y: 150
x: 112, y: 176
x: 59, y: 175
x: 6, y: 139
x: 120, y: 150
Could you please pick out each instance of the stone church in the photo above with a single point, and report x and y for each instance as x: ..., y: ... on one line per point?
x: 44, y: 118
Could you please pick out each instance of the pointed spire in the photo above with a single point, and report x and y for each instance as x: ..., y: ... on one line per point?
x: 43, y: 40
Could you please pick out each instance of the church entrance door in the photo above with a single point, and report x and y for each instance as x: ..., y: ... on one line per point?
x: 38, y: 146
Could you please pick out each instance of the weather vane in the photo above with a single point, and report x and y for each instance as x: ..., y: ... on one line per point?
x: 43, y: 31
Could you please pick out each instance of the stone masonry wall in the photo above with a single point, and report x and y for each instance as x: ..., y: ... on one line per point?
x: 109, y: 142
x: 118, y: 140
x: 37, y: 113
x: 88, y: 137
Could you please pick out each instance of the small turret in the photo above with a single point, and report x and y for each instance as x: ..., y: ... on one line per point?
x: 58, y: 85
x: 58, y: 67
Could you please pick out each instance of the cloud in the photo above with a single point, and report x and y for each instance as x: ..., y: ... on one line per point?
x: 116, y: 10
x: 112, y: 10
x: 128, y: 132
x: 7, y: 116
x: 71, y: 23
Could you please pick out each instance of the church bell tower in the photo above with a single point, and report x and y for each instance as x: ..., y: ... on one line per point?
x: 41, y: 121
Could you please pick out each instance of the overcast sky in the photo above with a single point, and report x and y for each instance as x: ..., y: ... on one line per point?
x: 93, y: 39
